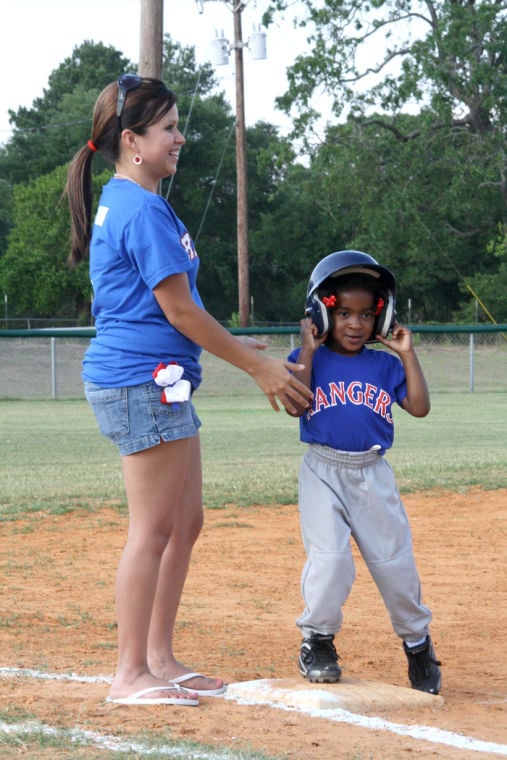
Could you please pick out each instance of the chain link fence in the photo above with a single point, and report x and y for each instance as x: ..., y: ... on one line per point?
x: 46, y: 363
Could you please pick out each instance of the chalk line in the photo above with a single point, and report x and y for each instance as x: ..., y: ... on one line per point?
x: 113, y: 743
x: 425, y: 733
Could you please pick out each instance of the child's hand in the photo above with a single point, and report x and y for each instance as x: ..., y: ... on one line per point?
x: 400, y: 341
x: 417, y: 400
x: 309, y: 338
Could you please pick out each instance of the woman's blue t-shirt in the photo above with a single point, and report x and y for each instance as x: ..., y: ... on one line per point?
x: 137, y: 241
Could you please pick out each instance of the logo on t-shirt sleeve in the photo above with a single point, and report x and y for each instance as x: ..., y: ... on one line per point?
x: 188, y: 244
x: 101, y: 215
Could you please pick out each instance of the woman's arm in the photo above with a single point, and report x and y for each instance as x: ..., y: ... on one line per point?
x: 272, y: 375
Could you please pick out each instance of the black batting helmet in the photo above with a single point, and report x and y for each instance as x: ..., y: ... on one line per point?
x: 342, y: 263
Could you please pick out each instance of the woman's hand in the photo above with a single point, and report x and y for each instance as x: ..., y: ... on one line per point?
x: 276, y: 379
x: 258, y: 345
x: 272, y: 375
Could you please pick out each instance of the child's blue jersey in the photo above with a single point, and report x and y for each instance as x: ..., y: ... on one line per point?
x: 137, y: 241
x: 352, y: 408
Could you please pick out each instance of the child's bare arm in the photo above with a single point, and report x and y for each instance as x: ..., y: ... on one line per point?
x: 417, y: 400
x: 309, y: 344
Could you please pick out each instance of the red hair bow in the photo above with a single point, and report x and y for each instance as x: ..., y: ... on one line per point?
x: 380, y: 306
x: 329, y: 301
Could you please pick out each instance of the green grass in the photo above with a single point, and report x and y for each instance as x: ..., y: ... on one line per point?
x: 462, y: 443
x: 33, y: 739
x: 53, y: 459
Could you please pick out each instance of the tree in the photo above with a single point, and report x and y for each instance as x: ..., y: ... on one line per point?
x: 202, y: 193
x: 6, y: 206
x: 444, y: 168
x: 34, y: 271
x: 448, y: 58
x: 292, y: 232
x: 384, y: 55
x: 48, y: 134
x: 414, y: 205
x: 181, y: 73
x: 491, y: 287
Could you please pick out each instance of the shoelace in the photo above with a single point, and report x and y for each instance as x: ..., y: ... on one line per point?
x: 421, y: 663
x: 324, y: 646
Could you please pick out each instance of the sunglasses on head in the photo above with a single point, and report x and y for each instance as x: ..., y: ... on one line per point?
x: 126, y: 83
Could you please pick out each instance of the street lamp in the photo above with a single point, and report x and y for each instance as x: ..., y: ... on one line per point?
x: 221, y: 49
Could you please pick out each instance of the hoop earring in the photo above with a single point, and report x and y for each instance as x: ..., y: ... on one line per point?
x: 138, y: 160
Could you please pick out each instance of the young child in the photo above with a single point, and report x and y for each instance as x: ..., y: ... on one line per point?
x: 346, y: 487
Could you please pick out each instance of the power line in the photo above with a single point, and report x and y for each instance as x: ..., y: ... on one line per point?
x: 41, y: 128
x: 187, y: 123
x: 214, y: 183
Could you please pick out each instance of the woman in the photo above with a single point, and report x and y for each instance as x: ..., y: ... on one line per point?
x: 149, y: 321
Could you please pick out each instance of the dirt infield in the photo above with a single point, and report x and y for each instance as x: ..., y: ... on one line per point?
x: 237, y: 621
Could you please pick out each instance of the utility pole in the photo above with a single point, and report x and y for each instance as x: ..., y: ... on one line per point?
x: 151, y: 40
x: 241, y: 175
x: 257, y: 45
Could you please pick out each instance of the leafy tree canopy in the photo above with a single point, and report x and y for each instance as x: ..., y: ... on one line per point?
x: 426, y: 192
x: 385, y: 55
x: 486, y: 293
x: 203, y: 192
x: 33, y: 272
x: 181, y: 73
x: 419, y: 191
x: 448, y: 60
x: 48, y: 134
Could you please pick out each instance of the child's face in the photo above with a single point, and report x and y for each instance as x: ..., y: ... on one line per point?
x: 353, y: 318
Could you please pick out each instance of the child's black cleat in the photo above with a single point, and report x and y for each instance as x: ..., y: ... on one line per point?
x: 423, y: 667
x: 318, y: 660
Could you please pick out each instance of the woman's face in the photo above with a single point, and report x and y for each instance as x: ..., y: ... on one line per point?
x: 160, y: 147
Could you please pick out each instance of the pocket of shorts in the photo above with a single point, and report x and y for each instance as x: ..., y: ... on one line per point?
x: 110, y: 408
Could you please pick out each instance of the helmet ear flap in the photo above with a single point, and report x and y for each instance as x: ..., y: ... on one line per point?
x: 386, y: 316
x: 384, y: 320
x: 318, y: 313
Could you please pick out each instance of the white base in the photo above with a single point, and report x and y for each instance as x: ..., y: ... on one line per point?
x: 349, y: 694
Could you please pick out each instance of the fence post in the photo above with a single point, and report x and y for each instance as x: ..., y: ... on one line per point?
x: 53, y: 368
x: 471, y: 344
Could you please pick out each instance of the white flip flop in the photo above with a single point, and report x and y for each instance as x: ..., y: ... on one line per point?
x: 200, y: 692
x: 137, y: 698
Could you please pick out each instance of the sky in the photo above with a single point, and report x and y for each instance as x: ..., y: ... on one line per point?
x: 37, y: 35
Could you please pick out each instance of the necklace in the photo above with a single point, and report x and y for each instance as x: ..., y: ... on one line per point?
x: 123, y: 176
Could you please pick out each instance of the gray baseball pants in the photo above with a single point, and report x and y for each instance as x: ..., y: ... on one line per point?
x: 344, y: 495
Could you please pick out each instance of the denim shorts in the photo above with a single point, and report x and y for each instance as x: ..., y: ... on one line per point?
x: 134, y: 418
